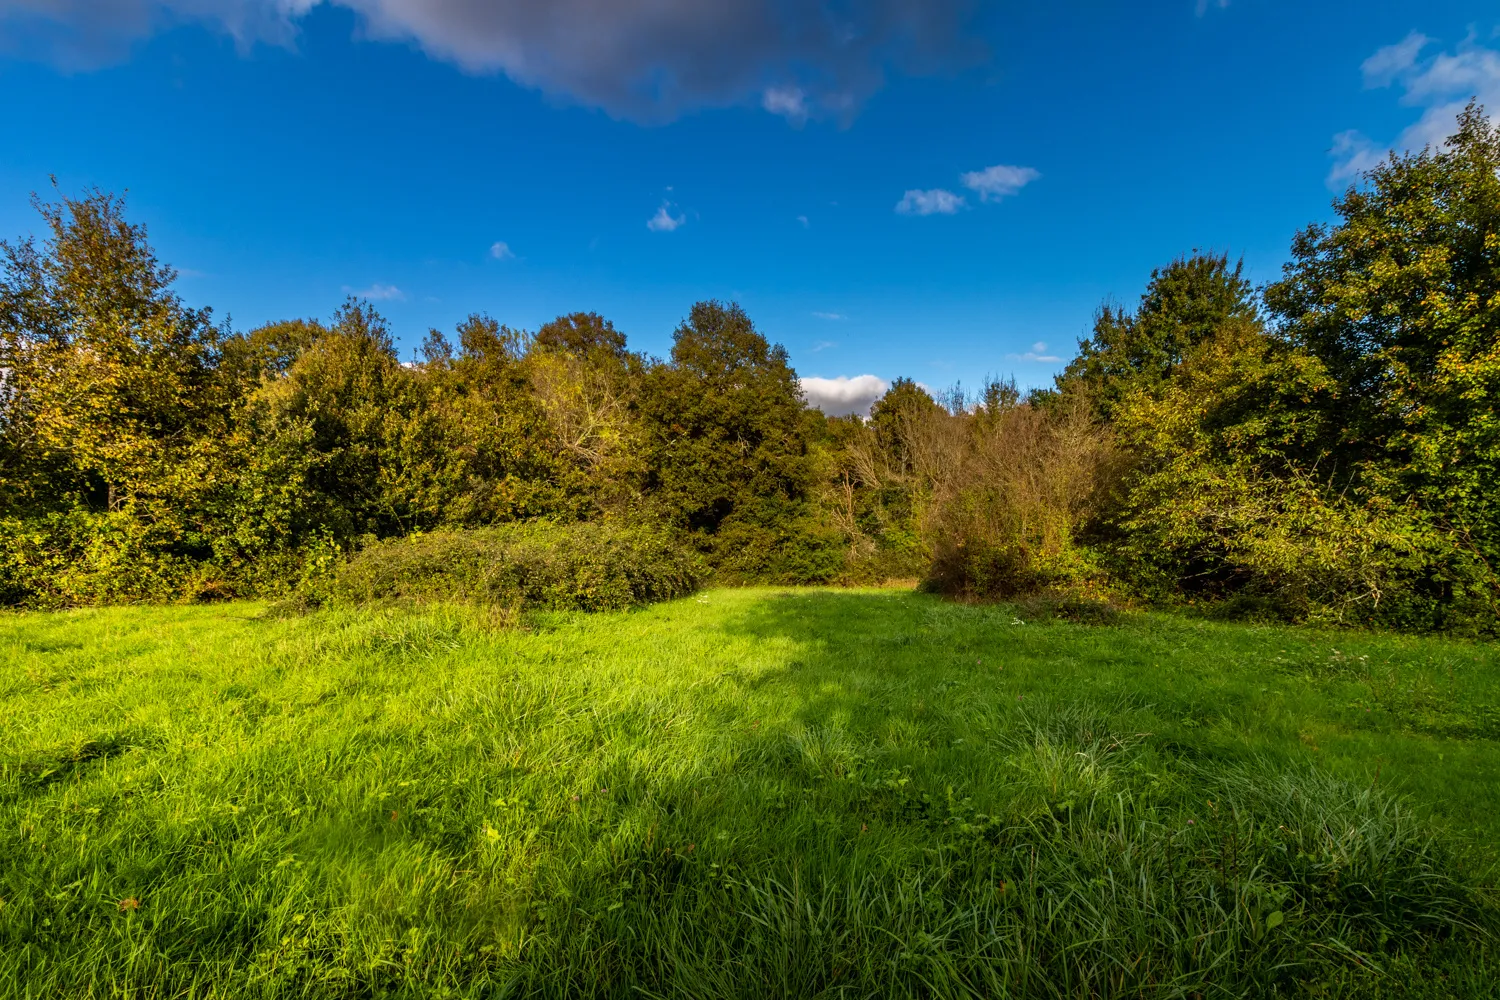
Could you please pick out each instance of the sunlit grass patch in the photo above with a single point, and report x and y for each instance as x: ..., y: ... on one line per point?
x: 743, y: 793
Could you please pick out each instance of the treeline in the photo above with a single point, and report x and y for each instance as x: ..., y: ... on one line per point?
x: 1324, y: 448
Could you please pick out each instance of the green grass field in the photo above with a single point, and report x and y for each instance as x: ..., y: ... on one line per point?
x: 749, y: 793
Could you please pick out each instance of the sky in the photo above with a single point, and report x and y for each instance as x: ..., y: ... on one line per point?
x: 936, y: 189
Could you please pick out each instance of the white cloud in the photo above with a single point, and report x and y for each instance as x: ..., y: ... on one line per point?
x: 1382, y: 68
x: 934, y: 202
x: 378, y: 292
x: 839, y: 397
x: 805, y: 224
x: 1038, y: 355
x: 1204, y: 6
x: 823, y: 345
x: 994, y: 183
x: 788, y: 102
x: 830, y: 315
x: 500, y: 250
x: 664, y: 221
x: 639, y: 59
x: 1440, y: 85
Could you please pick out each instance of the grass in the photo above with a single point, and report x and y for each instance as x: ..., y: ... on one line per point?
x: 749, y: 793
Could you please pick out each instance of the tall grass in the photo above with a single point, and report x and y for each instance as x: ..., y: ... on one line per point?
x: 740, y: 794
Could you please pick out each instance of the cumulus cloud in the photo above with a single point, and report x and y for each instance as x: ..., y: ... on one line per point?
x: 664, y: 221
x: 839, y: 397
x: 500, y: 250
x: 994, y: 183
x: 1037, y: 354
x: 934, y: 202
x: 641, y: 59
x: 1440, y: 85
x: 378, y: 292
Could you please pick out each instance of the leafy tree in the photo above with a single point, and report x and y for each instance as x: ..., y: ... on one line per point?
x: 726, y: 456
x: 1185, y: 303
x: 1401, y: 301
x: 581, y: 334
x: 110, y: 390
x: 893, y: 415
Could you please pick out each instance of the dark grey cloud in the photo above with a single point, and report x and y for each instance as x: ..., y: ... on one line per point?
x: 642, y: 59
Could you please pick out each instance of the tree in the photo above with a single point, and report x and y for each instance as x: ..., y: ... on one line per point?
x: 110, y: 384
x: 726, y: 455
x: 1400, y: 300
x: 1184, y: 304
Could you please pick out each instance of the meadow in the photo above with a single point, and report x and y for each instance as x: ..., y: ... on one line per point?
x: 750, y: 792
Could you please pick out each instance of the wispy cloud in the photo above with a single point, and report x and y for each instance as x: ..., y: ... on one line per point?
x: 830, y: 315
x: 1204, y: 6
x: 664, y: 221
x: 500, y: 250
x: 1038, y: 354
x: 937, y: 201
x: 788, y: 102
x: 823, y: 345
x: 999, y: 181
x: 805, y: 224
x: 842, y: 396
x: 1392, y: 61
x: 1440, y: 85
x: 378, y: 292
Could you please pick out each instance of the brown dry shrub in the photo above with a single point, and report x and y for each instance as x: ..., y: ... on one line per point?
x: 1011, y: 491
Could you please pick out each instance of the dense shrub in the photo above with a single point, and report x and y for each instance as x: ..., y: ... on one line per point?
x: 1012, y: 491
x: 540, y: 565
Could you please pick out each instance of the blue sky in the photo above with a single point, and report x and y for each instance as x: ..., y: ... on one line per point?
x: 891, y: 187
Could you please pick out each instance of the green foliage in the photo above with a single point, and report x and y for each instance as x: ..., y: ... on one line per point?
x: 111, y: 401
x: 1401, y: 301
x: 1334, y: 467
x: 726, y: 459
x: 1185, y: 303
x: 746, y: 793
x: 524, y: 566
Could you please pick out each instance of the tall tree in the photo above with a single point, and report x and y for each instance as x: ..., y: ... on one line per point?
x: 1184, y: 304
x: 726, y: 451
x: 111, y: 395
x: 1400, y: 299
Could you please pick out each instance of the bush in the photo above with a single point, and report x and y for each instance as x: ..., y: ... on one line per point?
x: 1011, y: 494
x: 79, y: 557
x: 532, y: 565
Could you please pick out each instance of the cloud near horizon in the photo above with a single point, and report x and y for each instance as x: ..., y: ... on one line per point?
x: 1037, y: 355
x: 1441, y: 85
x: 843, y: 396
x: 378, y: 292
x: 646, y: 60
